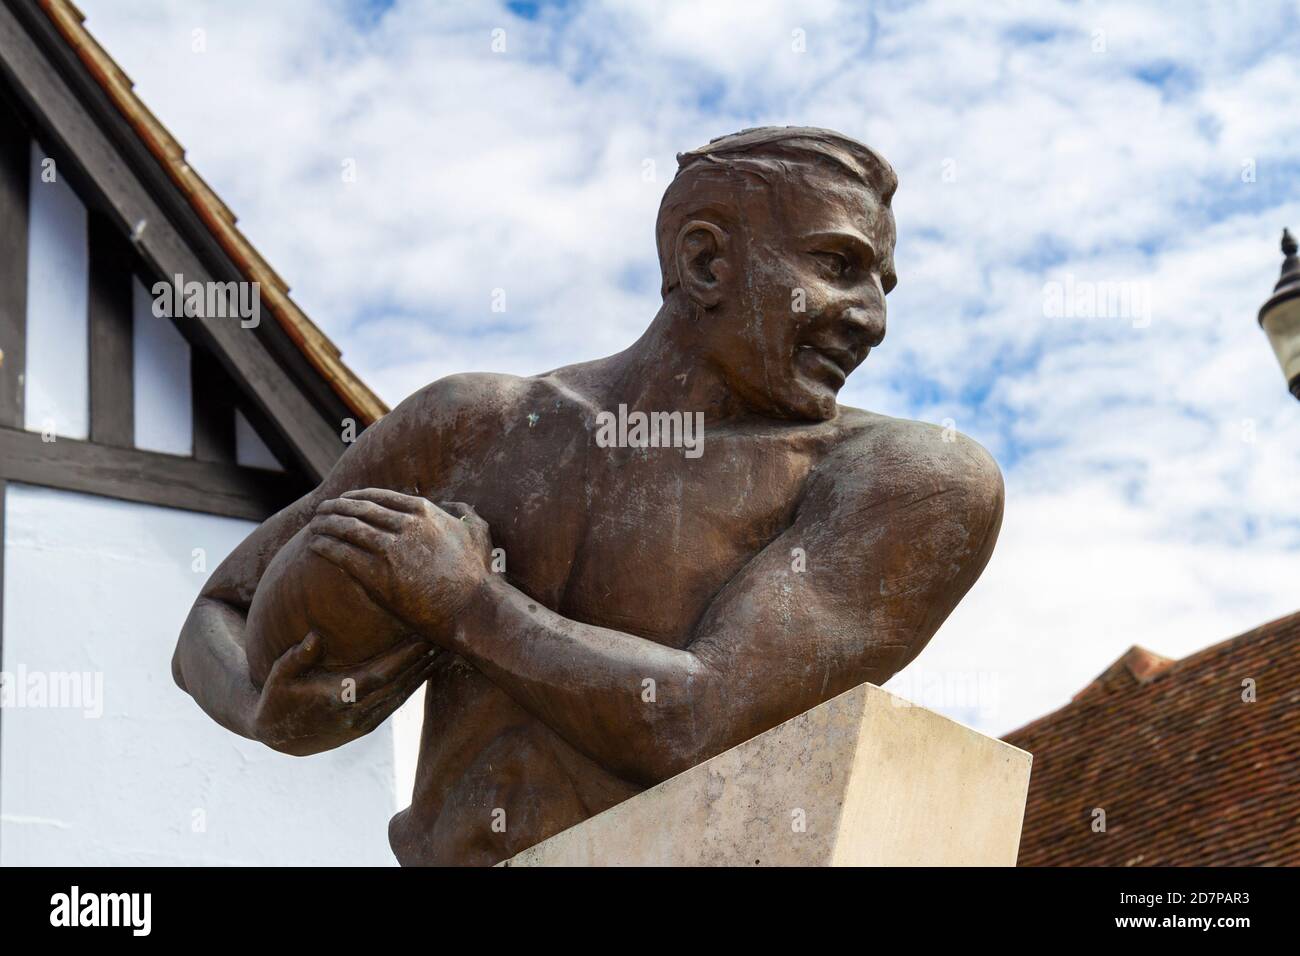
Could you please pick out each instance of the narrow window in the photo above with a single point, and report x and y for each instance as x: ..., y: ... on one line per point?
x: 164, y: 418
x: 58, y: 271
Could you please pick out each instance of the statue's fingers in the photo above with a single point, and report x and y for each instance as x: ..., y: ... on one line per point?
x: 353, y: 531
x: 298, y: 659
x: 411, y: 504
x: 392, y: 665
x: 387, y: 699
x: 357, y: 563
x: 367, y: 511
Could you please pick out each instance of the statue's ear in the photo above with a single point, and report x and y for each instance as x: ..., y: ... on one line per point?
x: 702, y: 259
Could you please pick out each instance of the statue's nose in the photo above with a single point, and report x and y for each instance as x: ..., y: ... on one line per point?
x: 868, y: 324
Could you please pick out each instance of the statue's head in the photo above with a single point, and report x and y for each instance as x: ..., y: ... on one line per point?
x: 778, y: 245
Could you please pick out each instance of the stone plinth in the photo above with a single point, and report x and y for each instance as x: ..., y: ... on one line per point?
x: 865, y: 779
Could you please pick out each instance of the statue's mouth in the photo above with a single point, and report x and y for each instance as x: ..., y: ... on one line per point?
x: 835, y: 362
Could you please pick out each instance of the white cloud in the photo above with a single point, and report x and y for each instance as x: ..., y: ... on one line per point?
x: 1137, y: 510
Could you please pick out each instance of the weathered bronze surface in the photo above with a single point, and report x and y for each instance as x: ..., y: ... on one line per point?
x: 594, y: 612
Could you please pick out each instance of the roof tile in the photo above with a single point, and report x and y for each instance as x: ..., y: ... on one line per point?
x: 1186, y: 768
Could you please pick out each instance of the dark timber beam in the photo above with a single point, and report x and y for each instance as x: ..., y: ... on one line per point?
x: 214, y: 409
x: 112, y: 385
x: 147, y: 477
x: 106, y: 181
x: 15, y: 172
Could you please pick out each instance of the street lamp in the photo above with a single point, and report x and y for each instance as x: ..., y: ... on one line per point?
x: 1280, y: 315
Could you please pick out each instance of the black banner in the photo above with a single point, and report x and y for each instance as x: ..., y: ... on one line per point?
x: 346, y: 906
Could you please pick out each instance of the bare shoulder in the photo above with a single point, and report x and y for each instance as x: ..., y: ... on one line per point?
x: 881, y: 461
x: 409, y: 444
x: 460, y: 399
x: 486, y: 398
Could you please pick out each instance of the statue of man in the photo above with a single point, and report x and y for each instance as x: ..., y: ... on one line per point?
x: 658, y: 605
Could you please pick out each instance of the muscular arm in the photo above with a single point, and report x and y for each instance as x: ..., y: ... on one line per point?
x: 210, y: 651
x: 210, y: 662
x: 885, y: 565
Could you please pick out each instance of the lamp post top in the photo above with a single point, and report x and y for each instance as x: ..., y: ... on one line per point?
x: 1290, y: 265
x: 1288, y: 283
x: 1280, y: 315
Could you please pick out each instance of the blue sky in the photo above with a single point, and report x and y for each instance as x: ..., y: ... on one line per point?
x: 1149, y: 150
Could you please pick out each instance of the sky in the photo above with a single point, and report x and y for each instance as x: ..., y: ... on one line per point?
x: 1090, y: 205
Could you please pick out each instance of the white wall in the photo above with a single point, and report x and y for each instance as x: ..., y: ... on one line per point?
x: 58, y: 290
x: 102, y: 586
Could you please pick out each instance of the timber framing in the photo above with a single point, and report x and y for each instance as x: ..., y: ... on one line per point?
x: 112, y: 380
x: 15, y: 173
x: 214, y: 409
x: 147, y: 477
x: 306, y: 338
x: 115, y: 175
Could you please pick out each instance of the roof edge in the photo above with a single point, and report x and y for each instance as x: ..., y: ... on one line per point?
x: 1164, y: 672
x: 320, y: 352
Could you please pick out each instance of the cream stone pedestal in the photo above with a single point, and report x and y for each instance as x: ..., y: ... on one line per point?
x: 865, y: 779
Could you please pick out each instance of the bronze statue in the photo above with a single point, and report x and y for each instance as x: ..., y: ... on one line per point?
x: 593, y: 617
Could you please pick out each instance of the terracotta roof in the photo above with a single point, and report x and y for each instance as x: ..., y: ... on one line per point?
x: 319, y: 351
x: 1136, y: 666
x: 1186, y: 770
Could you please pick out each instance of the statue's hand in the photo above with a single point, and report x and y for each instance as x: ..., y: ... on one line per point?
x: 303, y: 710
x: 420, y: 562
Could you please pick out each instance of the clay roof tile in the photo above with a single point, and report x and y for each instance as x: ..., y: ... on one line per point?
x: 1194, y: 761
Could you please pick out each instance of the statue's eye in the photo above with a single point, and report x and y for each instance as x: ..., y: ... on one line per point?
x: 837, y: 266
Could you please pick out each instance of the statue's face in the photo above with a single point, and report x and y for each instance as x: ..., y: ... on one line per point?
x: 815, y: 263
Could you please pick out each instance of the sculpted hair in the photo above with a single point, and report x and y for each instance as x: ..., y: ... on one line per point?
x: 710, y: 178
